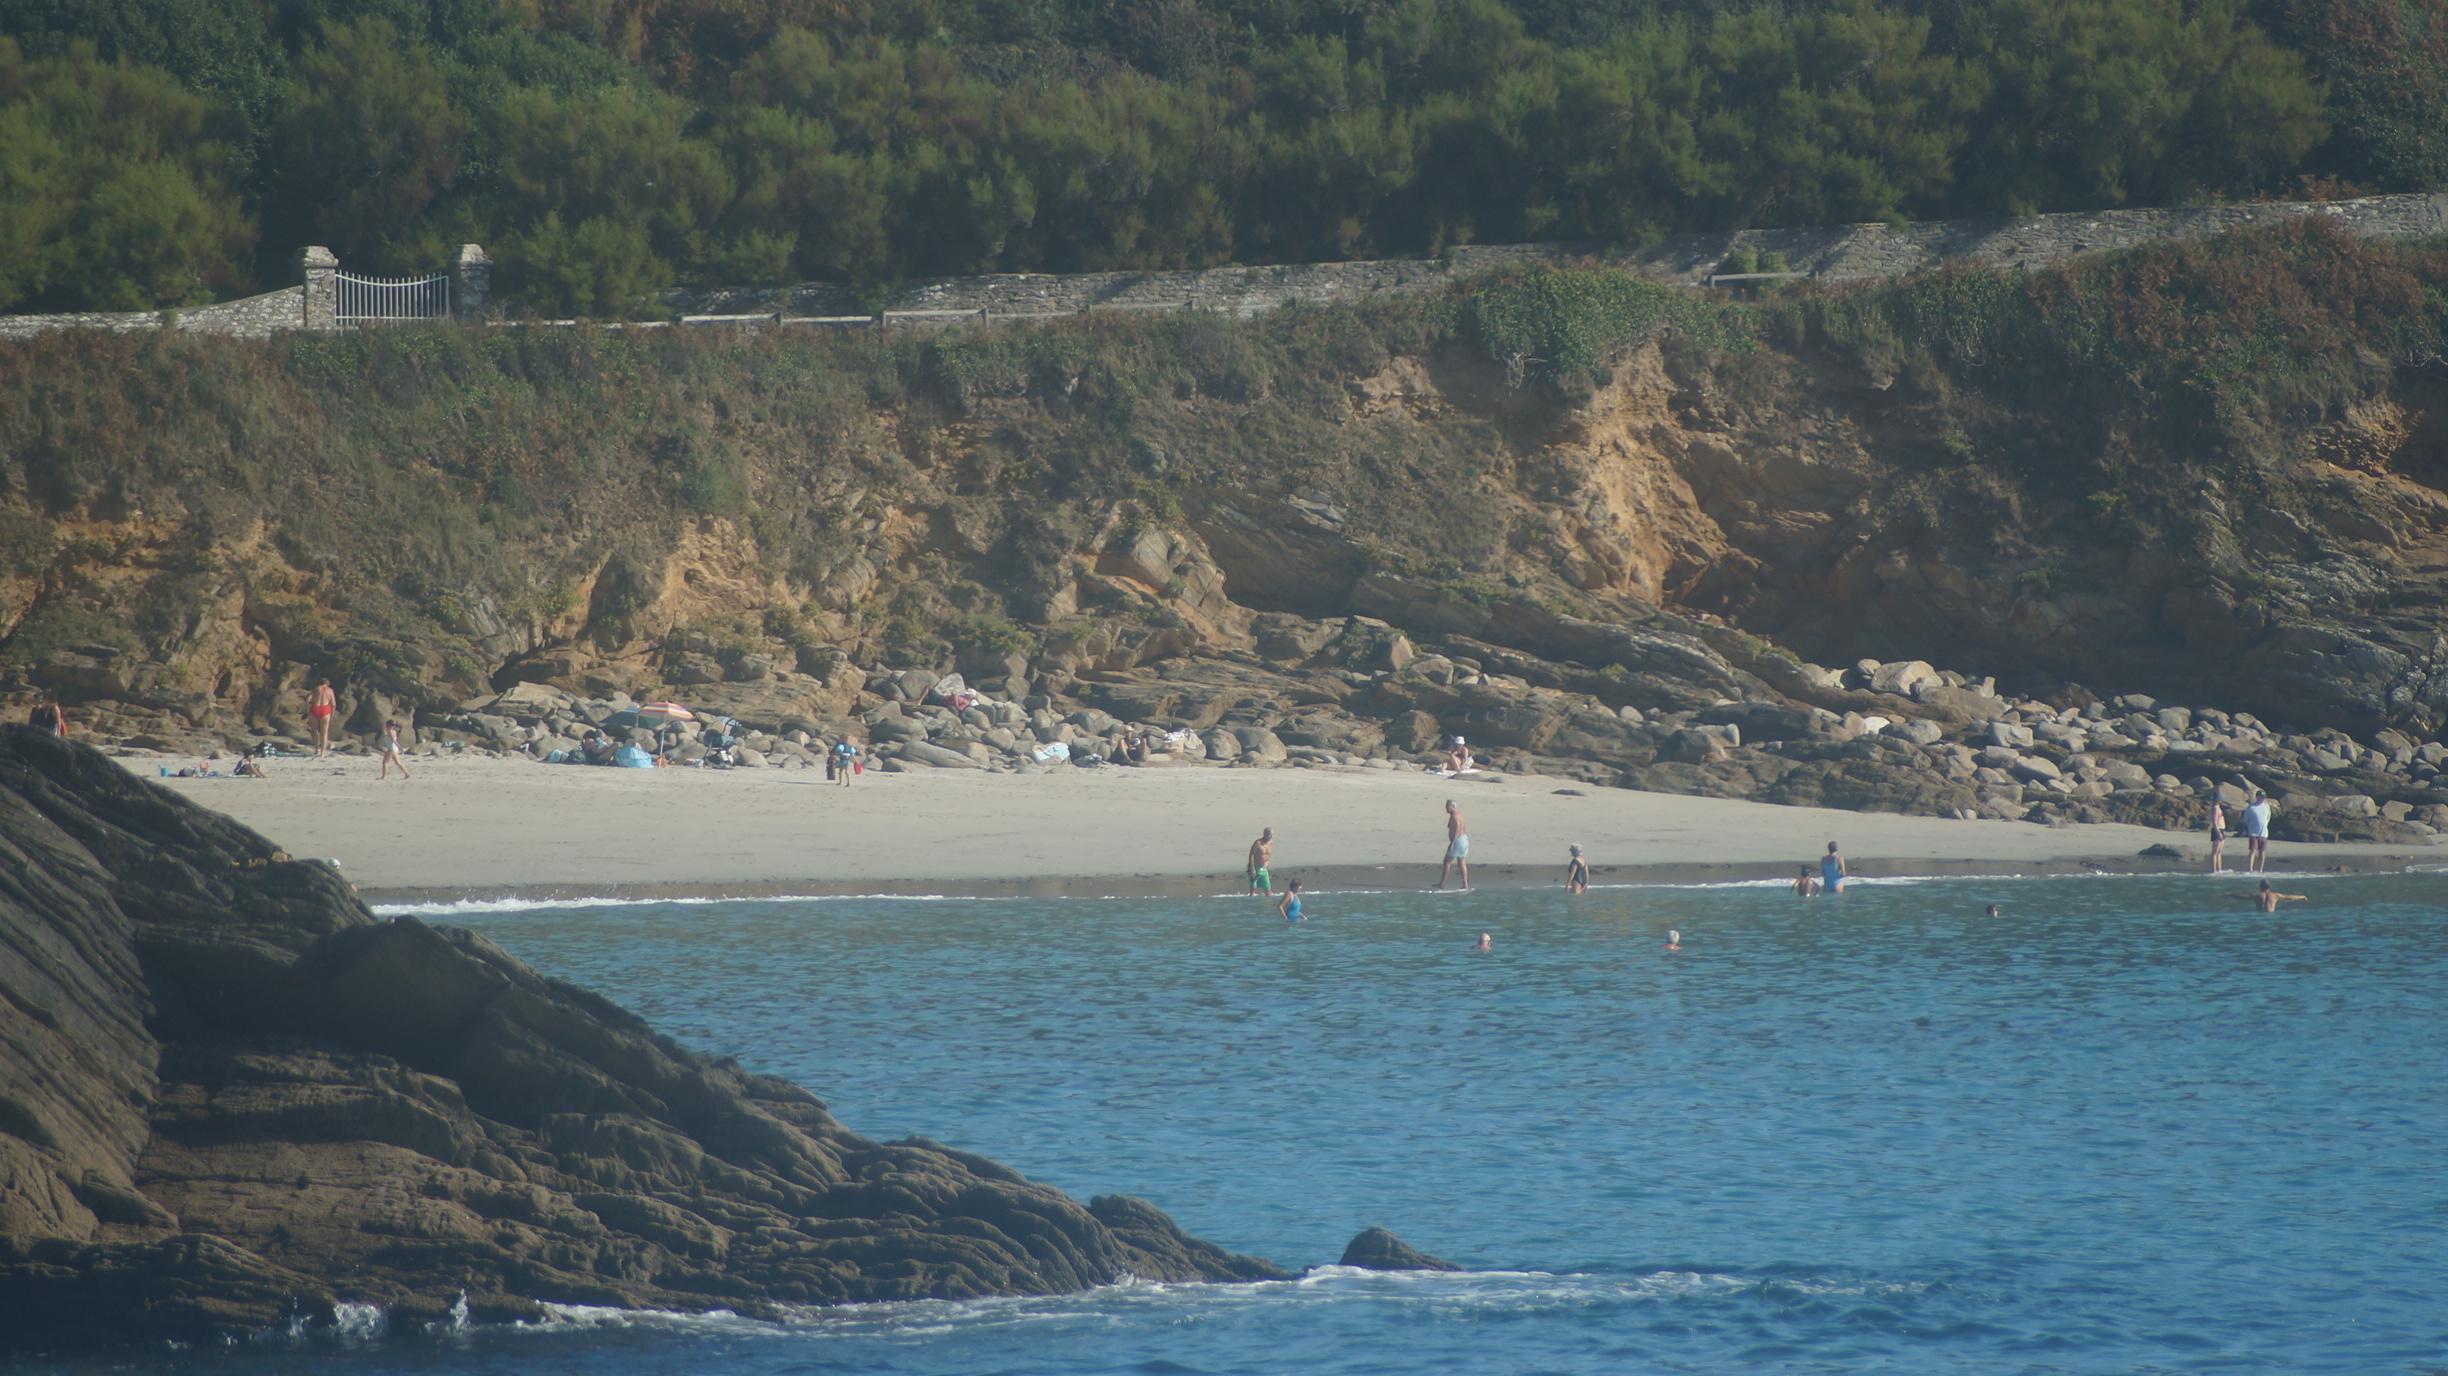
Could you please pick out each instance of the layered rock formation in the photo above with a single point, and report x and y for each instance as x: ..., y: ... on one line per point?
x: 230, y: 1097
x: 1307, y: 539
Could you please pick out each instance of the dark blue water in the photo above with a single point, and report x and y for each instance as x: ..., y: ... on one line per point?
x: 2129, y: 1126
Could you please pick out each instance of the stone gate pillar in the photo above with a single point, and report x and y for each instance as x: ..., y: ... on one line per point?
x: 319, y: 268
x: 471, y: 282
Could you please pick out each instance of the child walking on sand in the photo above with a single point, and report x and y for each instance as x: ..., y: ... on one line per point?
x: 390, y: 747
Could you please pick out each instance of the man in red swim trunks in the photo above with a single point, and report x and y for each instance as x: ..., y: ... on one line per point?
x: 319, y: 715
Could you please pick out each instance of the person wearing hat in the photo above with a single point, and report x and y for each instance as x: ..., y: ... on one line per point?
x: 1457, y: 758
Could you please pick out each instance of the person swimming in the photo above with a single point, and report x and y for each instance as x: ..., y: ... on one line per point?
x: 1674, y: 940
x: 1486, y: 942
x: 2267, y: 899
x: 1290, y: 904
x: 1804, y: 884
x: 1993, y: 911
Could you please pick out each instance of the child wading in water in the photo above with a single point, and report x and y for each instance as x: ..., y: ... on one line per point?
x: 1576, y: 873
x: 1289, y: 905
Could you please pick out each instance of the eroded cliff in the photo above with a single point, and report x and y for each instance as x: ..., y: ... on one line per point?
x: 2209, y: 474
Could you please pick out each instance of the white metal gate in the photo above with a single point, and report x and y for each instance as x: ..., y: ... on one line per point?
x: 357, y: 298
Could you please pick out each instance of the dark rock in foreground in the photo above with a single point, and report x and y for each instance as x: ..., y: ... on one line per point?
x: 229, y: 1096
x: 1375, y: 1249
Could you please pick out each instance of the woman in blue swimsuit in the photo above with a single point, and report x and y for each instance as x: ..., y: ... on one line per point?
x: 1289, y: 905
x: 1832, y: 870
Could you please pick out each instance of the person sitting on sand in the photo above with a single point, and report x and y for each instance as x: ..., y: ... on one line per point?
x: 1290, y: 904
x: 2267, y: 899
x: 1804, y: 884
x: 319, y: 708
x: 1261, y: 857
x: 1458, y: 758
x: 387, y: 744
x: 1486, y: 943
x: 248, y: 767
x: 1832, y: 870
x: 1576, y: 873
x: 596, y: 748
x: 1457, y: 845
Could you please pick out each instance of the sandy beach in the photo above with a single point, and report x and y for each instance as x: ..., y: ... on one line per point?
x: 486, y: 826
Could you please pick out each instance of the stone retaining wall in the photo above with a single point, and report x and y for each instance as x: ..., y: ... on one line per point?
x: 1839, y: 253
x: 251, y: 317
x: 1827, y: 252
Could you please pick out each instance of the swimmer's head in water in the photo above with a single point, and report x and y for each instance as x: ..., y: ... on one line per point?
x: 1294, y: 888
x: 2265, y: 886
x: 1993, y: 910
x: 1831, y: 848
x: 1576, y: 850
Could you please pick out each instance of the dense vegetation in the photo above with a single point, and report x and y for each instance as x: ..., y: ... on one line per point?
x: 164, y: 151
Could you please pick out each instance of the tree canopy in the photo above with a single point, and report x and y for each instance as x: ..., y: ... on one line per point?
x: 163, y: 151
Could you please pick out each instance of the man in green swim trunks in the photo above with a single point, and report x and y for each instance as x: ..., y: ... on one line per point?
x: 1261, y: 855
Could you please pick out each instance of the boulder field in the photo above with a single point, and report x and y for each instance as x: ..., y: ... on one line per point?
x: 232, y: 1099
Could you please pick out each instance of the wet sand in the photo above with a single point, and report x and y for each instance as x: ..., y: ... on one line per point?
x: 482, y: 827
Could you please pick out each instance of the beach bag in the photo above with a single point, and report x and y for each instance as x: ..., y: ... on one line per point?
x: 630, y: 757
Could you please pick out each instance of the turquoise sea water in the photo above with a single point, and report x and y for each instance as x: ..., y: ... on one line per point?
x: 2129, y: 1126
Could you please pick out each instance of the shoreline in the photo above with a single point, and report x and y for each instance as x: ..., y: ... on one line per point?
x: 1331, y: 879
x: 489, y: 829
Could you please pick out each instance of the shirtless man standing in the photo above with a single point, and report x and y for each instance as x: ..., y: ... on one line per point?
x: 1457, y: 845
x: 1261, y: 856
x: 319, y: 709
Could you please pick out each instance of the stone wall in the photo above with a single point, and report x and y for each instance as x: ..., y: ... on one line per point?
x: 252, y: 317
x: 1836, y: 253
x: 1829, y: 252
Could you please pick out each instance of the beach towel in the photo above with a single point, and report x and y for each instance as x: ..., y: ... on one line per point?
x: 630, y: 757
x: 1052, y: 752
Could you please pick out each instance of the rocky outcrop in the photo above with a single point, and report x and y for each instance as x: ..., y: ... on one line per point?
x: 1376, y: 1249
x: 229, y: 1097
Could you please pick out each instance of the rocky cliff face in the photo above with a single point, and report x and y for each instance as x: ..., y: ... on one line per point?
x: 1255, y: 527
x: 228, y: 1096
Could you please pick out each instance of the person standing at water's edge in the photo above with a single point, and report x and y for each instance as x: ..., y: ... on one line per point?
x: 1576, y: 873
x: 2256, y: 832
x: 2218, y: 837
x: 1261, y: 858
x: 319, y: 708
x: 1832, y: 870
x: 1457, y: 845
